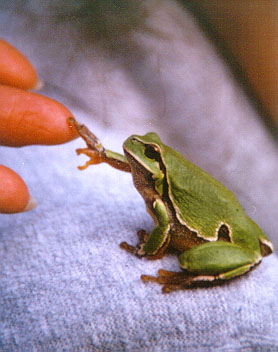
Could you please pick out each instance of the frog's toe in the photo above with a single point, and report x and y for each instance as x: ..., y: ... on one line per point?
x: 127, y: 247
x: 143, y: 236
x: 131, y: 249
x: 171, y: 280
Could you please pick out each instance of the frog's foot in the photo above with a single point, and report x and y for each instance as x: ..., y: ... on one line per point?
x: 128, y: 247
x: 136, y: 250
x: 173, y: 281
x: 94, y: 150
x: 95, y: 157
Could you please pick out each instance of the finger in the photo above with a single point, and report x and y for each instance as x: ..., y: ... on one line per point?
x: 29, y: 118
x: 15, y: 69
x: 14, y: 194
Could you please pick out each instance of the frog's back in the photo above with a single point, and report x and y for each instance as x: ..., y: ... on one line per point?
x: 203, y: 204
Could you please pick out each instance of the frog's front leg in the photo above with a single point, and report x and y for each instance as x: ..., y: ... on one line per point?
x: 207, y: 264
x: 153, y: 245
x: 95, y: 150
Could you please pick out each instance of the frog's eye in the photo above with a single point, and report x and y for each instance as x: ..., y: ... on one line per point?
x: 152, y: 152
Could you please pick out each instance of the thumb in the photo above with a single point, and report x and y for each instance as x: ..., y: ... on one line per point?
x: 14, y: 194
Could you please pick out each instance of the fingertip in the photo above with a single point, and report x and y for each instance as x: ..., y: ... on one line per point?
x: 15, y: 69
x: 70, y: 121
x: 28, y: 118
x: 14, y: 194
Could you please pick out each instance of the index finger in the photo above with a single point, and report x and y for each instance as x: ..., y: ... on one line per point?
x: 29, y: 118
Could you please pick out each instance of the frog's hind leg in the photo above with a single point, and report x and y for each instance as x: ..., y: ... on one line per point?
x: 171, y: 280
x: 206, y: 265
x: 174, y: 281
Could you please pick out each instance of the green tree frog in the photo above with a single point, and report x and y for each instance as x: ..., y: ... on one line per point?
x: 194, y: 214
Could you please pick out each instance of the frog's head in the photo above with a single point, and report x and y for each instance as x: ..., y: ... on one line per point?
x: 144, y: 156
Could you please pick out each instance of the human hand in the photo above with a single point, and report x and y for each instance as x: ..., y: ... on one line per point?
x: 25, y: 118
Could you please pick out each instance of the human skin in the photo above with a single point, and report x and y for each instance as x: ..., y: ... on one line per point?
x: 26, y: 118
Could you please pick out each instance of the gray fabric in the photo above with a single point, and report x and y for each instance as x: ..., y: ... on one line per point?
x: 65, y: 285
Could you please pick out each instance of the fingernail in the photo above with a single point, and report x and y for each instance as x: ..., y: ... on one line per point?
x: 39, y: 85
x: 32, y: 203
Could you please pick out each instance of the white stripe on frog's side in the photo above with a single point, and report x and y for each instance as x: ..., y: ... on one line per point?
x: 204, y: 278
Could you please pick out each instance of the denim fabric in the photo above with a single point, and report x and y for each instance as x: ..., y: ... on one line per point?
x: 67, y: 286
